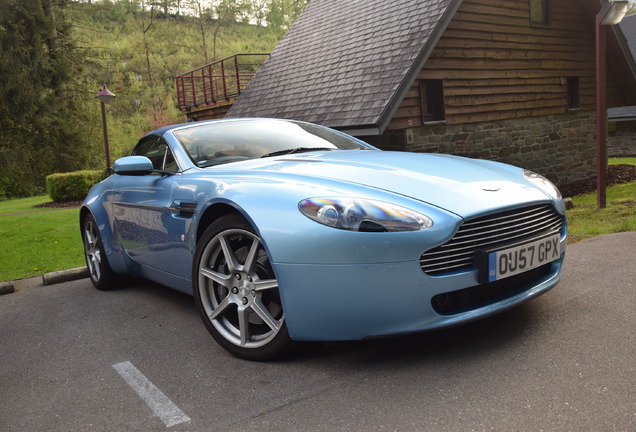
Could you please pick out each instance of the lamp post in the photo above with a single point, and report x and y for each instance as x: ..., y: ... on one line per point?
x: 611, y: 13
x: 104, y: 96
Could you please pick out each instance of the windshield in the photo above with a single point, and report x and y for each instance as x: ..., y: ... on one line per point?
x: 218, y: 143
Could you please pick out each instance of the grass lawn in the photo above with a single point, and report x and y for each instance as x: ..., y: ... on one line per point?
x: 37, y: 241
x: 619, y: 161
x: 24, y: 205
x: 585, y: 220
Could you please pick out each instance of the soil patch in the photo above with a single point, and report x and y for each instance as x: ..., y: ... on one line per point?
x: 616, y: 174
x: 60, y: 205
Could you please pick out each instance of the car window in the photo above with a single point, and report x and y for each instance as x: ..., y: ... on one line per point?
x: 216, y: 143
x: 157, y: 150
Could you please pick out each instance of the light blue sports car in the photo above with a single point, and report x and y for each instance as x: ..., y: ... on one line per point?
x: 287, y: 231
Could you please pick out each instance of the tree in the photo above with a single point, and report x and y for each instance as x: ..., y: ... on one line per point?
x: 40, y: 131
x: 282, y: 13
x: 227, y: 14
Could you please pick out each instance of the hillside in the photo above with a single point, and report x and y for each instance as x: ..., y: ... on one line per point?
x: 138, y: 54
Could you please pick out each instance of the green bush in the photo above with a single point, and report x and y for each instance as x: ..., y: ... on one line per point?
x: 11, y: 189
x: 72, y: 186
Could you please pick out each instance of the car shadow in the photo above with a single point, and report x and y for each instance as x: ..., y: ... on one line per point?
x: 481, y: 337
x: 160, y: 292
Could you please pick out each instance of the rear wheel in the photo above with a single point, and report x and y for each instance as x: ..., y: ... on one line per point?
x: 237, y: 293
x: 102, y: 276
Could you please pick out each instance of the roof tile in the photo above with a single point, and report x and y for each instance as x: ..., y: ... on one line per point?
x: 342, y: 62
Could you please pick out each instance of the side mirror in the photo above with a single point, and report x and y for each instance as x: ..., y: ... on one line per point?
x: 133, y: 165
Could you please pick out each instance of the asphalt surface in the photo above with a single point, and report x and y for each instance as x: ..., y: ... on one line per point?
x: 139, y: 359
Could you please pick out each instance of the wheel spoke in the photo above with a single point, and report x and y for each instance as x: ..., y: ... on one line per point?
x: 90, y: 239
x: 230, y: 258
x: 252, y: 257
x: 220, y: 308
x: 261, y: 311
x: 96, y: 259
x: 265, y: 284
x: 93, y: 254
x: 244, y: 324
x: 220, y: 278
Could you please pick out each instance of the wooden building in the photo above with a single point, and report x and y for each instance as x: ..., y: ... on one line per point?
x: 621, y: 127
x: 508, y: 80
x: 496, y: 62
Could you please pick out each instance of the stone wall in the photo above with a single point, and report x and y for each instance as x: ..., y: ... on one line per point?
x: 621, y: 139
x: 561, y: 147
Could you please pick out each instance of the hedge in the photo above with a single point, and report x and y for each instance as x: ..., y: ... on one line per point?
x: 11, y: 189
x: 72, y: 186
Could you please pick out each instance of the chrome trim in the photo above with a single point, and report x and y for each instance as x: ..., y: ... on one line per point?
x: 487, y: 232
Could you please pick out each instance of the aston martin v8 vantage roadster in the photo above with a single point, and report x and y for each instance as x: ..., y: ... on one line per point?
x: 287, y: 231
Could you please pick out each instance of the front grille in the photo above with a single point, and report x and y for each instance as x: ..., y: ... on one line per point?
x: 488, y: 231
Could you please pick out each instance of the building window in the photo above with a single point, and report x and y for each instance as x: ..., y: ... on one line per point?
x: 432, y: 97
x: 539, y: 12
x: 573, y: 93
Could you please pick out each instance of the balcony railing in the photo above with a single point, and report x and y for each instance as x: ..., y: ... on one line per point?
x: 217, y: 81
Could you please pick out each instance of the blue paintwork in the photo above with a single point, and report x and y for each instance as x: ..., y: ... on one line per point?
x: 132, y: 164
x: 344, y: 302
x: 334, y: 284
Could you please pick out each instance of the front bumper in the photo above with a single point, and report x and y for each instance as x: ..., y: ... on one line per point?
x: 350, y: 302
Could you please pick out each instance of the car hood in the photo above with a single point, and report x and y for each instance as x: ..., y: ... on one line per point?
x: 463, y: 186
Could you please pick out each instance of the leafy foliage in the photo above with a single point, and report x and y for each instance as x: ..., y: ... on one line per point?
x: 73, y: 186
x: 39, y: 109
x: 56, y: 54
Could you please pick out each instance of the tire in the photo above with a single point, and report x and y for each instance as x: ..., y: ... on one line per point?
x: 236, y: 291
x: 101, y: 274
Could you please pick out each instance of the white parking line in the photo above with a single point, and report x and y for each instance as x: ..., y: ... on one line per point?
x: 163, y: 407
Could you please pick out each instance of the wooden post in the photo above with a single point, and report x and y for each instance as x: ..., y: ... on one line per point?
x: 601, y: 115
x: 109, y: 169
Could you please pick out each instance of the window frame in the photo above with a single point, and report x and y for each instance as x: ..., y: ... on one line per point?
x: 539, y: 12
x: 573, y: 92
x: 155, y: 143
x: 432, y: 100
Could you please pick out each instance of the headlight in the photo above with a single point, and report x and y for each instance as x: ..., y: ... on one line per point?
x: 542, y: 183
x: 363, y: 215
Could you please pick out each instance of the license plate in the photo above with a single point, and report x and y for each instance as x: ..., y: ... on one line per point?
x: 518, y: 259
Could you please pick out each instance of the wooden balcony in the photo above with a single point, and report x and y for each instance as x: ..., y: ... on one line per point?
x: 209, y: 91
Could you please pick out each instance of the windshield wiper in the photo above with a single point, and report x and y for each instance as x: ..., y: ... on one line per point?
x: 296, y: 150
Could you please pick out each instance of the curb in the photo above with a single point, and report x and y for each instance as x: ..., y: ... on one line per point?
x: 65, y: 275
x: 45, y: 279
x: 6, y: 288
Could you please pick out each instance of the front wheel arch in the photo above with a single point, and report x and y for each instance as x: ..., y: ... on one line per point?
x: 211, y: 214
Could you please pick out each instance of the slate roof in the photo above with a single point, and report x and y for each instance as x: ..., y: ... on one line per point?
x: 627, y: 113
x: 347, y: 64
x: 628, y: 27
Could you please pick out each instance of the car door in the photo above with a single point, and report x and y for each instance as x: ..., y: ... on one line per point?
x: 142, y: 208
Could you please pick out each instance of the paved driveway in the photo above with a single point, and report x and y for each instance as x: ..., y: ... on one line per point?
x: 139, y: 359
